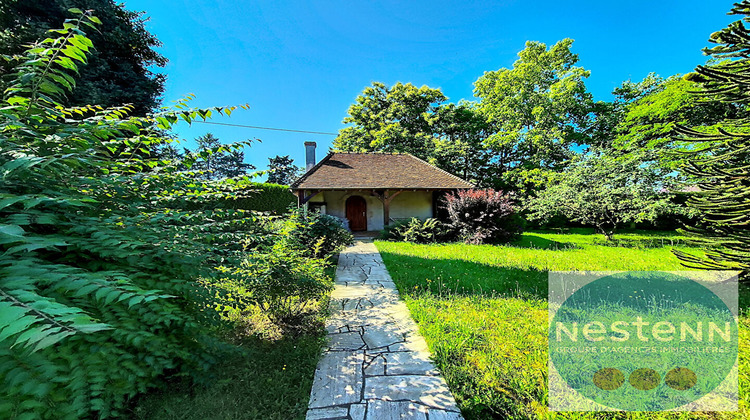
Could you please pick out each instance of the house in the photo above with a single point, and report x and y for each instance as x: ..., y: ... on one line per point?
x: 371, y: 190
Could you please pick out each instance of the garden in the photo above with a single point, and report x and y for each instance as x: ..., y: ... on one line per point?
x: 141, y: 279
x: 483, y: 311
x: 122, y: 267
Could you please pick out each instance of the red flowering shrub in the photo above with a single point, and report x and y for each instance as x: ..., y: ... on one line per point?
x: 483, y: 216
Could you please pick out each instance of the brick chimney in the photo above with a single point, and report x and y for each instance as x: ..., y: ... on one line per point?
x: 309, y: 154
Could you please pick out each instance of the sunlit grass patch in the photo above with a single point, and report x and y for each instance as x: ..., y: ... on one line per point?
x: 483, y: 312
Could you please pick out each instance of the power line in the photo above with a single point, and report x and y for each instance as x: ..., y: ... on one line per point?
x: 267, y: 128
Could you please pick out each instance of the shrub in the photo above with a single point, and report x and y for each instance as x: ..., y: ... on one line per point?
x: 99, y: 292
x: 418, y: 231
x: 246, y: 195
x: 315, y: 235
x: 272, y: 198
x: 392, y: 232
x: 483, y: 216
x: 285, y: 283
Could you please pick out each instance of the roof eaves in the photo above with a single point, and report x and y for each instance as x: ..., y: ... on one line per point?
x: 312, y: 170
x: 441, y: 170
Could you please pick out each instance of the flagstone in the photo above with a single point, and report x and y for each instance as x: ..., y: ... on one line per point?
x: 376, y: 365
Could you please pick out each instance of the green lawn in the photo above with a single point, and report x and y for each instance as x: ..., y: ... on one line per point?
x: 483, y: 311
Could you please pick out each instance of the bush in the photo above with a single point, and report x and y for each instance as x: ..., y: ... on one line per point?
x: 99, y: 264
x: 241, y: 193
x: 392, y: 232
x: 418, y: 231
x: 483, y: 216
x: 315, y: 235
x: 285, y: 283
x: 272, y: 198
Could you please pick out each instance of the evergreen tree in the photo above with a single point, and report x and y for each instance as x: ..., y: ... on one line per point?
x: 217, y: 161
x: 119, y: 68
x: 282, y: 170
x: 724, y: 173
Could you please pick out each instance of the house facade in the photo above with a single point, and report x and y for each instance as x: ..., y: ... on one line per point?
x: 372, y: 190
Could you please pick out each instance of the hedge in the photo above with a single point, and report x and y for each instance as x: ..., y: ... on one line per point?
x: 273, y: 198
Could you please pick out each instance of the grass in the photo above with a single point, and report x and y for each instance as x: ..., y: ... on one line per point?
x: 269, y: 374
x: 483, y: 312
x: 269, y: 380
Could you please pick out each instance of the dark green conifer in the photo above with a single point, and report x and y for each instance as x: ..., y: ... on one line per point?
x: 721, y: 158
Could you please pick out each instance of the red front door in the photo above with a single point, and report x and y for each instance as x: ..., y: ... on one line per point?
x: 356, y: 213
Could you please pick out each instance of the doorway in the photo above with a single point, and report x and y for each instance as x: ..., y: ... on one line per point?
x: 356, y: 213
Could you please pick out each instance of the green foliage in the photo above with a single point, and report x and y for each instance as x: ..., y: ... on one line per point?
x: 281, y: 170
x: 537, y: 110
x: 400, y: 118
x: 254, y: 196
x: 604, y: 192
x: 418, y: 231
x: 722, y: 172
x: 315, y: 235
x: 483, y: 216
x: 217, y: 161
x: 118, y: 69
x: 522, y: 129
x: 459, y: 147
x: 391, y: 231
x: 285, y: 283
x: 646, y: 113
x: 99, y: 262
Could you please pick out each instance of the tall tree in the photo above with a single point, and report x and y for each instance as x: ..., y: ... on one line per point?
x: 724, y: 172
x: 282, y: 170
x: 459, y: 146
x: 400, y: 118
x: 118, y: 70
x: 538, y: 109
x: 216, y: 161
x: 649, y: 112
x: 609, y: 116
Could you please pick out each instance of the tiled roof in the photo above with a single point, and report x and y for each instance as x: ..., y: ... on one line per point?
x: 346, y: 171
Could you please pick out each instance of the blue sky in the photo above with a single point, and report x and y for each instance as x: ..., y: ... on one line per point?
x: 299, y: 65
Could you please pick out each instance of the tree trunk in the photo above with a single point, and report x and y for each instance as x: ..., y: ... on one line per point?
x: 609, y: 234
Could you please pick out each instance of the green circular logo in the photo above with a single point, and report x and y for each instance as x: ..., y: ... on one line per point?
x: 643, y: 341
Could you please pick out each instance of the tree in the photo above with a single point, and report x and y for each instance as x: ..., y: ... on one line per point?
x: 281, y: 170
x: 217, y: 161
x: 400, y: 118
x: 604, y: 192
x: 650, y: 110
x: 118, y: 70
x: 104, y: 278
x: 461, y: 130
x: 538, y: 109
x: 722, y: 172
x: 609, y: 116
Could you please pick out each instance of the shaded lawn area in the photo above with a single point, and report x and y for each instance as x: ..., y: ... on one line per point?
x: 483, y: 312
x: 271, y: 380
x: 269, y: 377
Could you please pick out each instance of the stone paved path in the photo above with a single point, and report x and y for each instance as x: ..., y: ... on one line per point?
x: 377, y: 365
